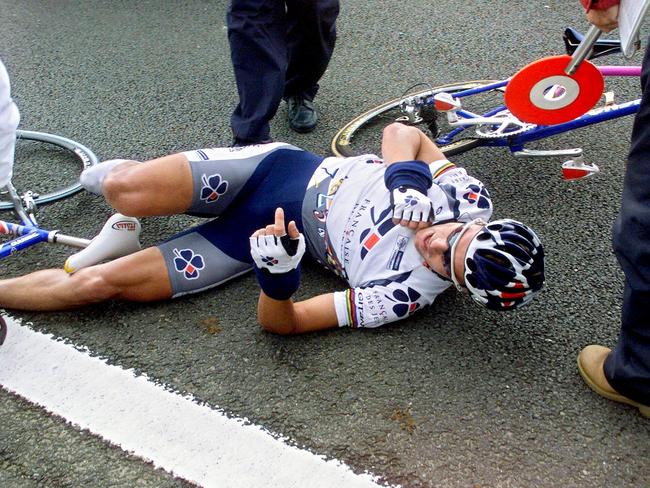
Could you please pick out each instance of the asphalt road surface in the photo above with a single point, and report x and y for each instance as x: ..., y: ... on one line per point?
x: 456, y: 396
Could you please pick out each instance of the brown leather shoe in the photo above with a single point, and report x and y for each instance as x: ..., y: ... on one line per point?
x: 590, y: 363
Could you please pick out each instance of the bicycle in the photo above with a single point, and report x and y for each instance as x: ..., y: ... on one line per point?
x: 491, y: 121
x: 105, y: 245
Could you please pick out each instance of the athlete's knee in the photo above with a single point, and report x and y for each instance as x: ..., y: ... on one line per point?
x: 119, y: 181
x: 395, y: 130
x: 403, y: 134
x: 122, y: 190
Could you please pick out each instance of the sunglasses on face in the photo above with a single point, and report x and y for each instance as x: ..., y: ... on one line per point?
x: 446, y: 256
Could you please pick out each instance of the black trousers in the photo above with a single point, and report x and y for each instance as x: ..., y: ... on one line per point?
x: 627, y: 368
x: 279, y: 48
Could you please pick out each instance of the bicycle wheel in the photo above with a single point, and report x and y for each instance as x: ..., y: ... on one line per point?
x: 47, y: 168
x: 363, y: 133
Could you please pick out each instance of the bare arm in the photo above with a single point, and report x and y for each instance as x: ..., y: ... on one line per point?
x: 286, y: 317
x: 405, y: 143
x: 280, y: 314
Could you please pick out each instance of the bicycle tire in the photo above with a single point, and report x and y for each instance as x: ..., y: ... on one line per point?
x: 342, y: 143
x: 83, y: 155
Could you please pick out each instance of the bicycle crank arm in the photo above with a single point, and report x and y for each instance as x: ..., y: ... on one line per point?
x: 542, y: 153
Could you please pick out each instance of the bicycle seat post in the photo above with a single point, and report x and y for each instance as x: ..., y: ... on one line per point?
x: 582, y: 51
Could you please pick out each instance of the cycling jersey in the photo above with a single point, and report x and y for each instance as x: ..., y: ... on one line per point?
x: 347, y: 218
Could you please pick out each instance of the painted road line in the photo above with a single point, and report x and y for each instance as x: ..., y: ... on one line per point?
x: 174, y: 432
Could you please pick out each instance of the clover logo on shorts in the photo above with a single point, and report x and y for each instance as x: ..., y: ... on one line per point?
x: 213, y: 187
x: 188, y: 263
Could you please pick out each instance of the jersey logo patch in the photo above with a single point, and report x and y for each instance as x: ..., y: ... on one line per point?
x: 213, y: 187
x: 406, y: 301
x: 188, y: 263
x: 370, y: 237
x: 398, y: 252
x: 478, y: 195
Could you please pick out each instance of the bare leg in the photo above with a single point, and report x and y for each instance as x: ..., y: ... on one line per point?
x: 141, y: 277
x: 161, y: 186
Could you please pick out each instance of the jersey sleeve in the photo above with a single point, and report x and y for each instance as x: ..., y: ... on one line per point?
x: 379, y: 304
x: 9, y: 119
x: 599, y: 4
x: 457, y: 196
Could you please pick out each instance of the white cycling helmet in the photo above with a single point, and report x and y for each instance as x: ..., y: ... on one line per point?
x: 504, y: 264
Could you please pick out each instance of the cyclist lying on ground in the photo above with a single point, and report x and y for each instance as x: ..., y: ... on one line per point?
x: 368, y: 221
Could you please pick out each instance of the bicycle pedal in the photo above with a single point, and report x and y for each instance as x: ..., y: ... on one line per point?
x: 576, y: 169
x: 445, y: 102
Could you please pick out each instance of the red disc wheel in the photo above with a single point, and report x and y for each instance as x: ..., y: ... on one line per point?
x: 542, y: 93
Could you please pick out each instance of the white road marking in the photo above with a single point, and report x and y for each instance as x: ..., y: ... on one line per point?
x: 177, y: 434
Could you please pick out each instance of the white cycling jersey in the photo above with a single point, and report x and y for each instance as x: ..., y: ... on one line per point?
x: 347, y: 218
x: 9, y: 118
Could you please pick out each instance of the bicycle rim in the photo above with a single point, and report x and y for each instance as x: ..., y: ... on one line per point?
x: 83, y: 156
x: 363, y: 133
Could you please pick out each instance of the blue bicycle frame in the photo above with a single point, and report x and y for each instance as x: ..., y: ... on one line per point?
x: 29, y: 235
x: 517, y: 142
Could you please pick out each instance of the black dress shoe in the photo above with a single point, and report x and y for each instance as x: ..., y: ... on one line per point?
x: 237, y: 142
x: 301, y: 114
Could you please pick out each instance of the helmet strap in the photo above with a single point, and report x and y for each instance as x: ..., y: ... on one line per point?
x: 460, y: 287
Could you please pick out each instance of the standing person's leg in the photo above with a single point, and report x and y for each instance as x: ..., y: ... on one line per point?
x: 9, y: 119
x: 627, y: 368
x: 257, y: 37
x: 311, y: 35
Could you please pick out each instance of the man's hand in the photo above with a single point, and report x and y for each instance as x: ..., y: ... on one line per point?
x: 275, y: 250
x: 411, y: 208
x: 605, y: 20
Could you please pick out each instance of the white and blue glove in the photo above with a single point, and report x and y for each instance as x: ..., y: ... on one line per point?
x: 277, y: 256
x: 408, y: 182
x: 410, y: 206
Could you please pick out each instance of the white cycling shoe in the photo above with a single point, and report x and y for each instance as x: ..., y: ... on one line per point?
x: 119, y: 236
